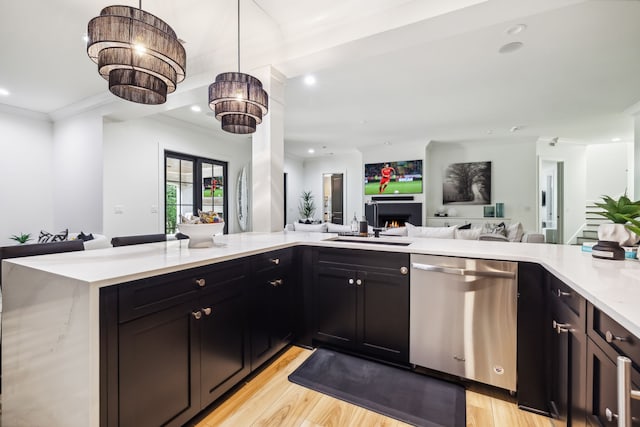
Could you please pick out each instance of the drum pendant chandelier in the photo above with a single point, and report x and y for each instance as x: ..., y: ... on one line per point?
x: 137, y: 53
x: 238, y: 99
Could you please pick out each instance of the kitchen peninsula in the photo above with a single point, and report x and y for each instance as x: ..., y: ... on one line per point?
x: 52, y: 333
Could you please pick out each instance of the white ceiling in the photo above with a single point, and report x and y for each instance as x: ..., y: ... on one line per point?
x: 394, y: 71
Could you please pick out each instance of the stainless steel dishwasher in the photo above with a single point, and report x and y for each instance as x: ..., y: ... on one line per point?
x: 464, y: 318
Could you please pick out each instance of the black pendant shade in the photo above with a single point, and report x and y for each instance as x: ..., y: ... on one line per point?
x: 238, y: 99
x: 137, y: 53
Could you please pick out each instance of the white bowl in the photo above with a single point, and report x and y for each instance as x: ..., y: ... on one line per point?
x: 201, y: 235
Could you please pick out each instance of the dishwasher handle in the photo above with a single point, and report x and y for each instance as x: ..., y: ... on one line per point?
x: 462, y: 271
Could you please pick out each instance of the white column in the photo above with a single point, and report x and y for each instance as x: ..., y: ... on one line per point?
x: 267, y: 176
x: 636, y: 158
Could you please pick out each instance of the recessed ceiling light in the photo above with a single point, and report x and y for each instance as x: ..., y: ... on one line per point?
x: 309, y: 80
x: 4, y: 92
x: 311, y: 151
x: 387, y: 143
x: 516, y: 29
x: 196, y: 108
x: 616, y: 139
x: 515, y: 128
x: 510, y: 47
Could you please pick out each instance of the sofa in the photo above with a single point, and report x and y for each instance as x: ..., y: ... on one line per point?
x: 488, y: 232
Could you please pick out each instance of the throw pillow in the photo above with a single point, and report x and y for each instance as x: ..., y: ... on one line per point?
x: 61, y: 236
x: 471, y: 234
x: 396, y: 231
x: 338, y: 228
x: 432, y: 232
x: 465, y: 227
x: 45, y: 236
x: 495, y: 237
x: 492, y: 228
x: 515, y: 232
x: 319, y: 228
x: 85, y: 237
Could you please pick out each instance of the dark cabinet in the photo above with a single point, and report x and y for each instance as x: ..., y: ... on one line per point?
x: 361, y: 302
x: 608, y: 340
x: 173, y: 344
x: 272, y: 306
x: 567, y: 350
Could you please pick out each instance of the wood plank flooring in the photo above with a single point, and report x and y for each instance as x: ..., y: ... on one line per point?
x: 269, y: 399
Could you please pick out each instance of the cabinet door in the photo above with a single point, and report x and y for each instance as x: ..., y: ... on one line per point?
x: 383, y: 307
x: 157, y: 385
x: 334, y: 305
x: 224, y: 344
x: 602, y: 389
x: 272, y: 314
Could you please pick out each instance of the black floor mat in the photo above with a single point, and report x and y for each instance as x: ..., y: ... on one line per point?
x: 406, y: 396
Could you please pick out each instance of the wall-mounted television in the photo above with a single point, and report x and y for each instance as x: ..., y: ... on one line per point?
x: 404, y: 177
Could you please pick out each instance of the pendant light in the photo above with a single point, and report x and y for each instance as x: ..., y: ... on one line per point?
x: 137, y: 53
x: 238, y: 99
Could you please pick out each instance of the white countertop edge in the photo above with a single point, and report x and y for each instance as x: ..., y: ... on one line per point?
x: 612, y: 286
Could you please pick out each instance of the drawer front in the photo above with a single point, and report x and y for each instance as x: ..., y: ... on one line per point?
x: 564, y: 294
x: 606, y: 332
x: 274, y: 260
x: 152, y: 294
x: 355, y: 258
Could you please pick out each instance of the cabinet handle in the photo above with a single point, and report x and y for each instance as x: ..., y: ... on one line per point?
x: 625, y: 394
x: 561, y: 327
x: 351, y: 282
x: 560, y: 293
x: 611, y: 338
x: 275, y: 283
x: 196, y: 314
x: 359, y: 282
x: 404, y: 271
x: 201, y: 282
x: 206, y: 311
x: 275, y: 261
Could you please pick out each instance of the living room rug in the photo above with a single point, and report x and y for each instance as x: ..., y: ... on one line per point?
x: 397, y: 393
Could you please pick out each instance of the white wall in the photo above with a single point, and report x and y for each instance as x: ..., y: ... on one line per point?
x: 609, y: 170
x: 294, y: 168
x: 513, y: 176
x: 26, y: 168
x: 350, y: 165
x: 77, y: 156
x: 574, y: 157
x: 134, y: 170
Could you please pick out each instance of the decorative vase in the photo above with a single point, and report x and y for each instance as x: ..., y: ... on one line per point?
x: 617, y: 233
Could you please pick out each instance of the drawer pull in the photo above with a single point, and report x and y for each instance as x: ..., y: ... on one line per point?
x: 206, y: 311
x: 276, y: 282
x: 196, y: 314
x: 611, y: 338
x: 275, y: 261
x: 625, y: 394
x: 560, y: 293
x: 404, y: 271
x: 562, y: 327
x: 201, y: 282
x: 351, y: 281
x: 359, y: 282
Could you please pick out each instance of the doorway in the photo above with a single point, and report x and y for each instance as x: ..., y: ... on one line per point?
x: 551, y: 206
x: 333, y: 198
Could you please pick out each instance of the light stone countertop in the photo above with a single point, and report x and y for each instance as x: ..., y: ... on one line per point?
x: 612, y: 286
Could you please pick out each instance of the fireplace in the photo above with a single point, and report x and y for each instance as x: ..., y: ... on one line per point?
x: 393, y: 214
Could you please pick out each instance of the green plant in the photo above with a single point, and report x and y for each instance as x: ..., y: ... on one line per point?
x: 22, y: 238
x: 619, y: 211
x: 307, y: 206
x: 634, y: 226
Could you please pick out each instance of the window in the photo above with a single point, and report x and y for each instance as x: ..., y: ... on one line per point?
x: 193, y: 183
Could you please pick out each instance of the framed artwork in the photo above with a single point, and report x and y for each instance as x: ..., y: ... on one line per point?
x: 467, y: 184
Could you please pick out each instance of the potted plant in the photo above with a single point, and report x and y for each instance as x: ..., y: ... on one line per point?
x: 307, y: 207
x: 22, y: 238
x: 621, y: 212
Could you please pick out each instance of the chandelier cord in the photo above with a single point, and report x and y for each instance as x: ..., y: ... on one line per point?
x: 238, y: 35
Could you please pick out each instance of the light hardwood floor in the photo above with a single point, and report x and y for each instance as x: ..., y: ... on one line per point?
x: 269, y: 399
